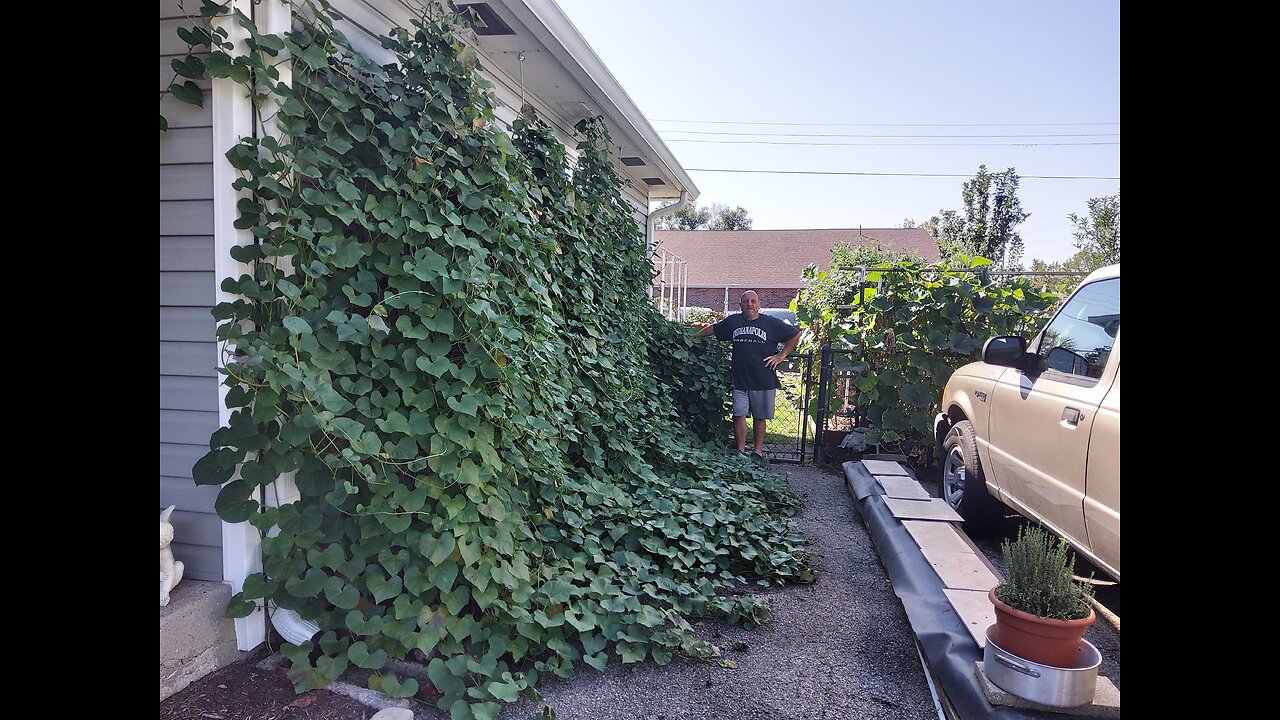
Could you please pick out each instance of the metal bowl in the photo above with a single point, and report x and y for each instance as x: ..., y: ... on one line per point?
x: 1043, y: 684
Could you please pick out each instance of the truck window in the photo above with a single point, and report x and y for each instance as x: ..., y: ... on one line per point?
x: 1086, y: 328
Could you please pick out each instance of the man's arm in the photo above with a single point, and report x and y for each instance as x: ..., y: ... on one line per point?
x: 773, y: 361
x: 708, y: 330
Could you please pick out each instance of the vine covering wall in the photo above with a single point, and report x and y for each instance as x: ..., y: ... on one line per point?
x: 446, y: 340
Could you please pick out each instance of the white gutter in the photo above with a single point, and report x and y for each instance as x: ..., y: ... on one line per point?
x: 652, y: 219
x: 662, y: 212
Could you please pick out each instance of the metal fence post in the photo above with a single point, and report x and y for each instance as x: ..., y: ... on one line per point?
x: 804, y: 411
x: 823, y: 377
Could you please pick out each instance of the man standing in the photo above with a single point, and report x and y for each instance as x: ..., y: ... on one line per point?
x: 754, y: 367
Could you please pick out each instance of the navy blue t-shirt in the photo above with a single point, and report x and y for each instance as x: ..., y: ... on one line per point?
x: 753, y: 341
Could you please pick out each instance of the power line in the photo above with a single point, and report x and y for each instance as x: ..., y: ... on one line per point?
x: 889, y: 174
x: 811, y: 124
x: 859, y: 144
x: 890, y: 137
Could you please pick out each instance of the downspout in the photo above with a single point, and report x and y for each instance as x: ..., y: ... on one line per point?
x: 653, y: 217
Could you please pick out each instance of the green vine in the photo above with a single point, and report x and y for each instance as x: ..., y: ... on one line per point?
x: 446, y: 340
x: 912, y: 325
x: 694, y: 373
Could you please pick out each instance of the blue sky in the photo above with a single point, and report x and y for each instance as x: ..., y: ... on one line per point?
x: 994, y: 78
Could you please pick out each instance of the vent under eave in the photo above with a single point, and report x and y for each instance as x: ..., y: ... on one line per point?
x: 484, y: 21
x: 653, y: 181
x: 631, y: 161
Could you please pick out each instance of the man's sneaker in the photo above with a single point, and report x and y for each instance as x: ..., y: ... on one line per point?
x: 759, y: 459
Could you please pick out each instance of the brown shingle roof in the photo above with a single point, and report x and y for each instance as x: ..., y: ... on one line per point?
x: 777, y: 258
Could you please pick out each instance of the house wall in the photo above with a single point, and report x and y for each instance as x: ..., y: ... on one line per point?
x: 189, y: 408
x: 714, y: 297
x: 188, y: 354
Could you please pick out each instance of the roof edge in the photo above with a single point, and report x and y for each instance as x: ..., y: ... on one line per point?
x: 596, y: 74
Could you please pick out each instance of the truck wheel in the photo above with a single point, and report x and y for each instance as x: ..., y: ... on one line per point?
x: 962, y: 484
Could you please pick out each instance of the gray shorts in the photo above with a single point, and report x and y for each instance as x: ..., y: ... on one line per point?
x: 756, y: 403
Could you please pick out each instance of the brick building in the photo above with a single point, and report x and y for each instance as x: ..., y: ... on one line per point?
x: 722, y: 264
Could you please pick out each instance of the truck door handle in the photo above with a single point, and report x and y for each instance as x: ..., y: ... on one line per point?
x: 1072, y: 416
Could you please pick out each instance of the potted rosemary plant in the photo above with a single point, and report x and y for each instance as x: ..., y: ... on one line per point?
x: 1042, y: 610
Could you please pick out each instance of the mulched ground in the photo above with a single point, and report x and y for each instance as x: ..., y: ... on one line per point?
x: 243, y: 691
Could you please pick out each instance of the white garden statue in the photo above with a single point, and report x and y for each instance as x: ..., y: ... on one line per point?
x: 170, y: 569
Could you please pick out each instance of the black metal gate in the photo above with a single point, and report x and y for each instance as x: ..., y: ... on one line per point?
x: 790, y: 433
x: 816, y: 408
x: 836, y: 409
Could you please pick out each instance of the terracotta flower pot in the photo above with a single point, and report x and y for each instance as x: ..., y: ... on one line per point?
x: 1043, y: 640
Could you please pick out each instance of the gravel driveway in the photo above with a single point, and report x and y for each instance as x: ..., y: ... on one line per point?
x: 839, y: 648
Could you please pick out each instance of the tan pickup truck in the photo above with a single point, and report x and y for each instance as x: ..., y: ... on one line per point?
x: 1036, y: 427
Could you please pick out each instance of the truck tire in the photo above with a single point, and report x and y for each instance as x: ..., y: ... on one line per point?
x: 962, y: 483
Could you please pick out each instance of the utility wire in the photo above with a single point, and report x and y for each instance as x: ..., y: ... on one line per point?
x: 810, y: 124
x: 860, y: 144
x: 889, y: 174
x: 842, y: 135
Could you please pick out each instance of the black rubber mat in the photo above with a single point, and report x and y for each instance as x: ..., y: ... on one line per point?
x: 950, y: 652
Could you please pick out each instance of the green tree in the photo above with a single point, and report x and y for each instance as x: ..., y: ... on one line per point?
x: 689, y: 217
x: 1098, y: 235
x: 992, y: 211
x: 930, y: 226
x: 724, y: 218
x: 715, y: 217
x: 1097, y: 243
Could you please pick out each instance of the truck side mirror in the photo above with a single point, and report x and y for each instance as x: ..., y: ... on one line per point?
x: 1005, y: 350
